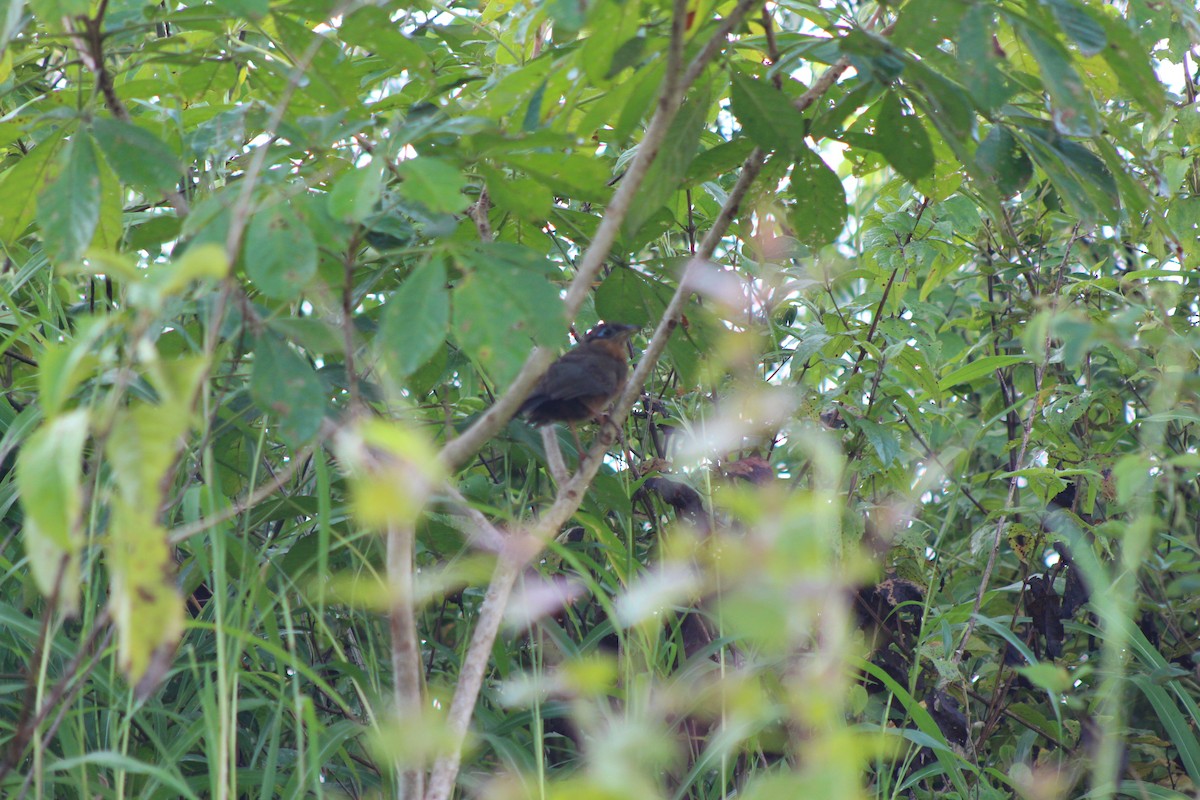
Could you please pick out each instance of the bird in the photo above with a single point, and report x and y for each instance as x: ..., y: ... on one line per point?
x: 583, y: 380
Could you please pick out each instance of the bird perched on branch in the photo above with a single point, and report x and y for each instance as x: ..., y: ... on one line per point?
x: 581, y: 383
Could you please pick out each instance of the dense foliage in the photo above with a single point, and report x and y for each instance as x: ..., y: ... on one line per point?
x: 901, y: 498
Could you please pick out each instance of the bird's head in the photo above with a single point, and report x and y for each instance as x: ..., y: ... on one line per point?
x: 613, y: 332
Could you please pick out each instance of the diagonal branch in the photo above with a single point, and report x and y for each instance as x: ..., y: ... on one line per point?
x: 514, y: 558
x: 457, y: 451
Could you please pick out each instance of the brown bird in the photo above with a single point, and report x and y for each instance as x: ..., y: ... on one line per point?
x: 581, y: 383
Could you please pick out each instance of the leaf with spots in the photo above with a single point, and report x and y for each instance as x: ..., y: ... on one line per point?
x: 818, y: 213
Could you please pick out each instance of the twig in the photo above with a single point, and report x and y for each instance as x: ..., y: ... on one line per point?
x: 1038, y: 372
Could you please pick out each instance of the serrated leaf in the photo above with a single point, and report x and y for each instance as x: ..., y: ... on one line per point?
x: 280, y: 254
x: 819, y: 211
x: 415, y: 319
x: 69, y: 207
x: 139, y: 157
x: 285, y: 386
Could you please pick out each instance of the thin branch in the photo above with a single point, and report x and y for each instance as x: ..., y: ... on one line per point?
x: 406, y: 648
x: 519, y: 550
x: 1038, y: 372
x: 457, y: 452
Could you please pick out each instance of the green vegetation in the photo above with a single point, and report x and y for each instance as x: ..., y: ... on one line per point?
x: 900, y: 499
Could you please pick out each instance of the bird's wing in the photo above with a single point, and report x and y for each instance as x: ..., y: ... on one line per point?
x: 581, y: 374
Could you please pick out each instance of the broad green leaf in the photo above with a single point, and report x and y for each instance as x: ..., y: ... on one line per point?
x: 49, y: 480
x: 1131, y: 63
x: 503, y: 305
x: 1078, y: 174
x: 902, y: 140
x: 882, y: 440
x: 819, y: 211
x: 630, y: 297
x: 372, y: 29
x: 1079, y: 26
x: 978, y: 369
x: 766, y: 114
x: 355, y: 194
x: 250, y: 9
x: 68, y: 209
x: 110, y: 227
x: 982, y: 71
x: 415, y: 319
x: 571, y: 174
x: 139, y: 157
x: 527, y: 198
x: 666, y: 174
x: 1002, y: 159
x: 435, y: 183
x: 64, y: 365
x: 285, y: 386
x: 280, y: 254
x: 1072, y: 108
x: 21, y: 185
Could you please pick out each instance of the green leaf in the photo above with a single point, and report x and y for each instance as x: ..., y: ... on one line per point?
x: 415, y: 319
x: 525, y: 197
x: 1072, y: 109
x: 139, y: 157
x: 1079, y: 26
x: 372, y: 29
x: 435, y: 183
x: 1078, y: 174
x: 819, y: 211
x: 284, y: 385
x: 902, y: 140
x: 21, y: 185
x: 69, y: 207
x: 204, y: 261
x: 1000, y: 158
x: 978, y: 369
x: 1130, y: 61
x: 666, y: 174
x: 49, y: 483
x: 280, y: 254
x: 503, y: 305
x: 249, y: 9
x: 355, y: 194
x: 630, y: 297
x: 766, y: 114
x: 980, y: 64
x: 882, y: 440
